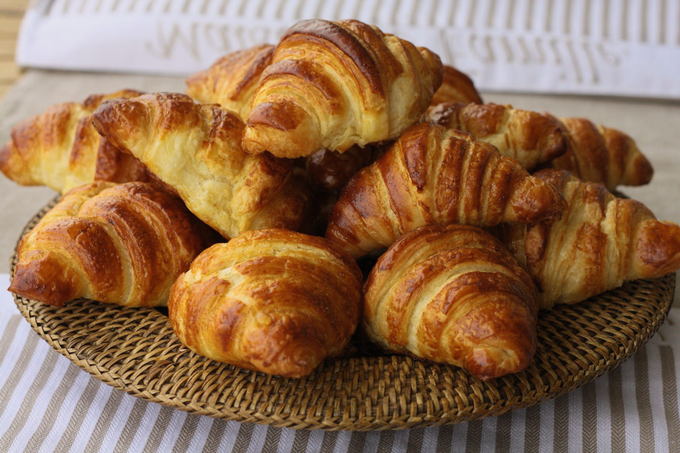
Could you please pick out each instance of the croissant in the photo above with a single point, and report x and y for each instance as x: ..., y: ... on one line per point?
x: 269, y: 300
x: 124, y: 244
x: 196, y: 149
x: 599, y: 242
x: 456, y: 87
x: 453, y: 294
x: 336, y: 84
x: 60, y: 149
x: 601, y: 154
x: 231, y: 80
x: 432, y: 175
x: 531, y: 138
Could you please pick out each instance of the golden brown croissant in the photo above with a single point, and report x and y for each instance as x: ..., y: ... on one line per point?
x: 601, y: 154
x: 269, y: 300
x: 60, y: 149
x: 196, y: 149
x: 124, y: 244
x: 336, y: 84
x: 531, y: 138
x: 599, y: 242
x: 231, y: 80
x: 433, y: 175
x: 456, y: 87
x: 453, y: 294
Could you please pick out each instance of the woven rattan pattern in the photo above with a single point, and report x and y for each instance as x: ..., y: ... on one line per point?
x: 136, y: 351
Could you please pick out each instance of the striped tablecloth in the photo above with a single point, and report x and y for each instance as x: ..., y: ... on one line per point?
x: 48, y: 404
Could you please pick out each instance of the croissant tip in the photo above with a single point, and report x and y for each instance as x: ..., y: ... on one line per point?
x: 291, y: 358
x: 118, y: 118
x: 303, y: 362
x: 42, y: 276
x: 642, y: 171
x: 102, y: 116
x: 29, y: 282
x: 512, y: 353
x: 485, y: 365
x: 557, y: 144
x: 659, y: 248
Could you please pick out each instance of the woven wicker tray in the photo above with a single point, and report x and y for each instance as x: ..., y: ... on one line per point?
x: 136, y: 351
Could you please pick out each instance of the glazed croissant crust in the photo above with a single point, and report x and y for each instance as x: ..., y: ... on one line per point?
x: 124, y: 244
x: 231, y: 80
x: 60, y: 149
x: 336, y: 84
x: 531, y: 138
x: 432, y: 175
x: 599, y: 242
x: 453, y: 294
x: 196, y: 150
x: 270, y: 300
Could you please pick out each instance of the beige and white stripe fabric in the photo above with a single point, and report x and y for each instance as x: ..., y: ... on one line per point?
x: 47, y: 404
x: 618, y: 47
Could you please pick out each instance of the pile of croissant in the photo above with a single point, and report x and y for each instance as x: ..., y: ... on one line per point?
x: 312, y: 158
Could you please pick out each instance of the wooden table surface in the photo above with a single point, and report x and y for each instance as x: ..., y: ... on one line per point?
x: 11, y: 12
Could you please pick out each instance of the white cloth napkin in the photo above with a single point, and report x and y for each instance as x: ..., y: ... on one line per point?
x: 625, y: 47
x: 49, y: 404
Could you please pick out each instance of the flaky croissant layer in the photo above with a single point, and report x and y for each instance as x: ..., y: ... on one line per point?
x: 453, y: 294
x: 196, y: 149
x: 269, y: 300
x: 61, y: 149
x: 333, y: 85
x: 124, y: 244
x: 599, y: 242
x: 433, y: 175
